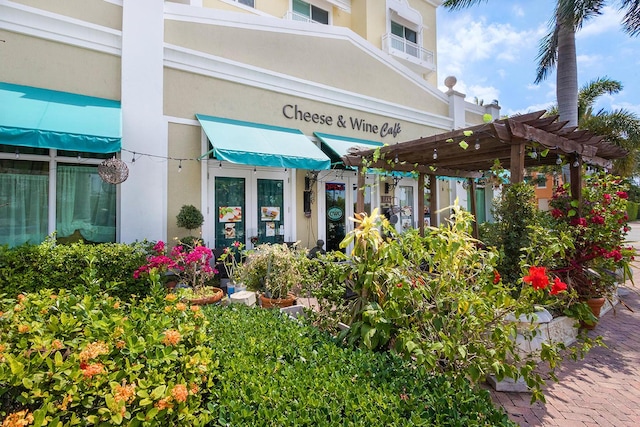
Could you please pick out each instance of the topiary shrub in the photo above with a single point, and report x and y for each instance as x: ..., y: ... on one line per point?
x: 189, y: 217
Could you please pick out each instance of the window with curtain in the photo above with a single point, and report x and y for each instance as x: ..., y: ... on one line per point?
x: 270, y: 211
x: 24, y: 200
x: 85, y: 203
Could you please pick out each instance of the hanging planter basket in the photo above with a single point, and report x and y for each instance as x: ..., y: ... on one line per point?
x: 113, y: 171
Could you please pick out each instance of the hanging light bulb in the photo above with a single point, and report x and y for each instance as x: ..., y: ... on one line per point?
x: 133, y: 159
x: 285, y: 170
x: 254, y: 170
x: 477, y: 146
x: 180, y: 166
x: 17, y: 153
x: 220, y: 165
x: 79, y: 157
x: 559, y: 160
x: 576, y: 163
x: 534, y: 154
x: 396, y: 159
x: 435, y: 153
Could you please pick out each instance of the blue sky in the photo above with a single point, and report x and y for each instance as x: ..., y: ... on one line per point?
x: 492, y: 48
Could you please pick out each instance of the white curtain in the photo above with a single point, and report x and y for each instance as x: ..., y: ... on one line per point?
x: 23, y: 208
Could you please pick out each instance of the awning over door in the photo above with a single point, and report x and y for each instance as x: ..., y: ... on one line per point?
x: 42, y: 118
x: 338, y: 146
x: 256, y: 144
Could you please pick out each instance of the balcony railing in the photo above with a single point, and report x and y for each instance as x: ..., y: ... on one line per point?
x: 394, y: 44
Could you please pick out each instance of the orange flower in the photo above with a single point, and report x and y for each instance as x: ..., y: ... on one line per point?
x: 163, y: 404
x: 537, y: 277
x: 65, y: 402
x: 93, y: 350
x: 168, y: 309
x: 181, y: 306
x: 57, y: 344
x: 120, y: 344
x: 125, y: 393
x: 21, y: 297
x: 18, y: 419
x: 53, y: 296
x: 195, y: 308
x: 171, y: 337
x: 23, y: 329
x: 180, y: 393
x: 193, y: 388
x: 116, y: 305
x: 90, y: 370
x: 171, y: 297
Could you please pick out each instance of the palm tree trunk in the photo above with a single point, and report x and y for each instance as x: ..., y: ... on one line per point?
x: 567, y: 78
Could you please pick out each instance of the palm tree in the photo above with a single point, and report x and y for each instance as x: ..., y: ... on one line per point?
x: 620, y: 127
x: 558, y: 47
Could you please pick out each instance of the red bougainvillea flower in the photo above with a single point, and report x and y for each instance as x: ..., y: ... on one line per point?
x: 607, y: 198
x: 556, y: 213
x: 622, y: 194
x: 597, y: 219
x: 496, y: 277
x: 558, y: 286
x: 537, y: 277
x: 579, y: 222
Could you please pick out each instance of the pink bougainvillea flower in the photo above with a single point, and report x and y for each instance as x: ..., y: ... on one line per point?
x: 607, y: 198
x: 558, y: 286
x: 537, y: 277
x: 597, y: 219
x: 159, y: 247
x: 622, y: 194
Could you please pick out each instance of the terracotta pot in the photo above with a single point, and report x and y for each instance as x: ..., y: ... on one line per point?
x: 595, y: 304
x: 210, y: 299
x: 277, y: 302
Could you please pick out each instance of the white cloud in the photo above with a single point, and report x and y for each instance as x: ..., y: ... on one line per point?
x: 517, y: 11
x: 633, y: 108
x: 609, y: 21
x: 484, y: 93
x: 588, y: 60
x: 528, y: 109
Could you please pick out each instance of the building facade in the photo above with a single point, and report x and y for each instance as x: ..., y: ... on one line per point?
x: 241, y: 108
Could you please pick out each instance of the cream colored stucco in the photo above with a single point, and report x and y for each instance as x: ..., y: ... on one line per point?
x: 304, y: 224
x: 183, y: 188
x: 36, y: 62
x: 334, y: 62
x: 95, y: 11
x: 188, y: 94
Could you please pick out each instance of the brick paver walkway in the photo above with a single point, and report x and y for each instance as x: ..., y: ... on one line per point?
x: 603, y: 389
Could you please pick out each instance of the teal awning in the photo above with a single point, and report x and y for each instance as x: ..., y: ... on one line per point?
x: 261, y: 145
x: 337, y: 146
x: 42, y: 118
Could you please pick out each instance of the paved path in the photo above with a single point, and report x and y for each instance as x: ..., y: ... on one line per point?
x: 603, y: 389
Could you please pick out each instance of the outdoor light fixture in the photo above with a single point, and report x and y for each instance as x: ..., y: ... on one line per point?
x: 559, y: 160
x: 534, y: 153
x: 133, y: 159
x: 435, y: 153
x: 220, y: 165
x: 17, y: 153
x: 576, y: 163
x: 477, y: 146
x: 396, y: 159
x: 180, y: 166
x: 254, y: 170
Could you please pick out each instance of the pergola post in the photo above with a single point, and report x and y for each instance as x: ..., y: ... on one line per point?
x: 472, y: 195
x: 420, y: 213
x: 360, y: 191
x: 517, y: 162
x: 576, y: 180
x: 433, y: 200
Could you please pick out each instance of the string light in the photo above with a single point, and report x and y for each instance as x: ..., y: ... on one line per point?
x: 576, y: 163
x: 477, y: 146
x: 435, y: 153
x: 180, y: 166
x: 396, y: 159
x: 220, y: 165
x: 534, y: 153
x: 133, y: 159
x: 254, y: 170
x: 559, y: 160
x: 17, y: 153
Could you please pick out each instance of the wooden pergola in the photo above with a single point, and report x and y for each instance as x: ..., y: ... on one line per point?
x: 510, y: 141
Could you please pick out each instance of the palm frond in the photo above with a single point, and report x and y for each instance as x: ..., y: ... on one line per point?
x: 592, y: 90
x: 460, y: 4
x: 547, y: 54
x: 631, y: 21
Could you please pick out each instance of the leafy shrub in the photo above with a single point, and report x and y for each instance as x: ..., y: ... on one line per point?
x: 438, y: 301
x: 72, y: 359
x: 189, y: 217
x: 92, y: 359
x: 29, y: 268
x: 632, y: 210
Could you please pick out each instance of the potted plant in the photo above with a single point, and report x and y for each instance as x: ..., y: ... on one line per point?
x: 273, y: 270
x: 595, y: 261
x: 190, y: 218
x: 192, y: 268
x: 231, y: 258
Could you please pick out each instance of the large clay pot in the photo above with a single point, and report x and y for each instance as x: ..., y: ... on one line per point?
x: 595, y: 304
x: 277, y: 302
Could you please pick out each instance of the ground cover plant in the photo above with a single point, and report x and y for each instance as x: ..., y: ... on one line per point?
x: 92, y: 359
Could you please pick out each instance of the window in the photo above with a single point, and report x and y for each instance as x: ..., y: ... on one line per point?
x: 250, y: 3
x: 305, y: 11
x: 404, y: 32
x: 83, y: 202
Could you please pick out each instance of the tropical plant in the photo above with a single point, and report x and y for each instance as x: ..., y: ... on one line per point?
x: 438, y: 301
x: 231, y: 258
x: 273, y: 269
x: 193, y: 267
x: 558, y: 47
x: 620, y: 127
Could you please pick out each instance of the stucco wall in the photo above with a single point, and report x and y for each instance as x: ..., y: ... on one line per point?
x: 95, y: 11
x: 37, y: 62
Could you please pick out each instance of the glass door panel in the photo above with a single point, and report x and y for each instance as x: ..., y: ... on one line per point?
x: 406, y: 207
x: 270, y: 211
x: 230, y: 208
x: 335, y: 214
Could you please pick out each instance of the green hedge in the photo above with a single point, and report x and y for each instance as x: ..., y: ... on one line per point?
x: 632, y: 210
x: 29, y: 268
x: 90, y: 360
